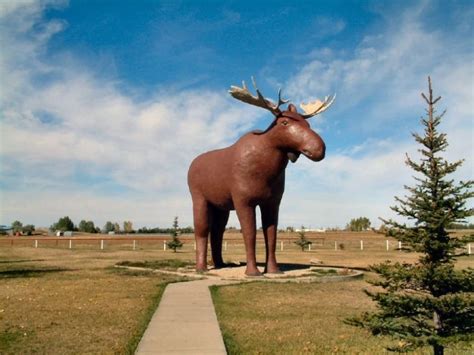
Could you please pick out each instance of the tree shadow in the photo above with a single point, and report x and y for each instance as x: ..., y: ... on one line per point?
x: 282, y: 266
x: 28, y: 272
x: 293, y: 266
x: 19, y: 261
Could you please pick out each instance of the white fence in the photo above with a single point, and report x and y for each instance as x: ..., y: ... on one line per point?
x: 227, y: 246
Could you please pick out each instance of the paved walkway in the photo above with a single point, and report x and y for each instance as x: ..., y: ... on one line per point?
x: 185, y: 322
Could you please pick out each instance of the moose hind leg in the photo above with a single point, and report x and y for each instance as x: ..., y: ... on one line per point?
x: 270, y: 227
x: 201, y: 231
x: 219, y: 220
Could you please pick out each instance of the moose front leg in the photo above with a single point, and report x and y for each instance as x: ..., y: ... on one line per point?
x: 270, y: 228
x: 246, y: 215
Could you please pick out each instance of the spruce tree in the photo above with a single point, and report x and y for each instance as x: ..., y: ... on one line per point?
x: 302, y: 242
x: 175, y: 243
x: 430, y: 302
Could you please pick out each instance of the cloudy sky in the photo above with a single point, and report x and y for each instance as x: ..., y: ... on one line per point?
x: 104, y: 104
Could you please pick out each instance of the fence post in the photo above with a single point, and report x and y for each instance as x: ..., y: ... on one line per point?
x: 134, y: 245
x: 399, y: 245
x: 101, y: 244
x: 309, y: 247
x: 387, y: 244
x: 281, y: 246
x: 361, y: 245
x: 335, y: 245
x: 468, y: 248
x: 36, y: 243
x: 164, y: 245
x: 70, y: 243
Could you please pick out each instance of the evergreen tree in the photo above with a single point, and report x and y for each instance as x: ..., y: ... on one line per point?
x: 302, y: 242
x: 175, y: 243
x: 428, y: 303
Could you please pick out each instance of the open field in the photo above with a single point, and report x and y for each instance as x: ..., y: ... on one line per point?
x: 333, y: 248
x: 59, y: 300
x: 62, y: 302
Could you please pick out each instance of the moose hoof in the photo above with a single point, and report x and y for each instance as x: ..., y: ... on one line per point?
x: 201, y: 269
x: 253, y: 273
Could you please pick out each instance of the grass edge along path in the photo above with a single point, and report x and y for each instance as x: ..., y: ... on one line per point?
x: 143, y: 323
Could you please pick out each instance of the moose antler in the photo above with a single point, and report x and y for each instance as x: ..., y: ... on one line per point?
x: 316, y: 107
x: 243, y: 94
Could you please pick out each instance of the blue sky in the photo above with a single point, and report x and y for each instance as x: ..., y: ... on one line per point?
x: 104, y: 104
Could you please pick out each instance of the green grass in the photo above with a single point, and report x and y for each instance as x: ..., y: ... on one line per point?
x: 9, y: 337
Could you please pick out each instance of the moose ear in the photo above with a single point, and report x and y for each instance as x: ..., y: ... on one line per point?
x: 292, y: 108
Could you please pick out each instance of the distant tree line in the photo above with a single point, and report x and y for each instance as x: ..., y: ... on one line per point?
x: 18, y: 227
x: 66, y: 224
x: 358, y: 224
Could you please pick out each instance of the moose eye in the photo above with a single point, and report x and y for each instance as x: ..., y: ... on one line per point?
x: 285, y: 123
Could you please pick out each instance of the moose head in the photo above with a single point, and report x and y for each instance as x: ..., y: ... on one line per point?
x: 251, y: 173
x: 289, y: 127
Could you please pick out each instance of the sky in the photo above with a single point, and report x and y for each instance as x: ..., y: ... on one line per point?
x: 104, y: 104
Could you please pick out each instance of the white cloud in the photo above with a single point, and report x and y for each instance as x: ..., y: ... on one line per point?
x: 327, y: 26
x: 94, y: 130
x: 74, y: 144
x: 379, y: 86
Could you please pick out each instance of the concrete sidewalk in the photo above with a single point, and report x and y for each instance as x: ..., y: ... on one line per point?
x: 185, y: 322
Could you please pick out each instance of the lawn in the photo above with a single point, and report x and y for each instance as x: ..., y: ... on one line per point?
x: 289, y: 318
x: 62, y: 302
x: 59, y: 300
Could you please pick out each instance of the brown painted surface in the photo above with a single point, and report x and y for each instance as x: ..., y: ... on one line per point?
x: 249, y: 173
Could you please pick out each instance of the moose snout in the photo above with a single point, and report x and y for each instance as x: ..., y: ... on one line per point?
x: 316, y: 153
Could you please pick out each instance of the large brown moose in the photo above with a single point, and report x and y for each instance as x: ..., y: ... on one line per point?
x: 251, y: 173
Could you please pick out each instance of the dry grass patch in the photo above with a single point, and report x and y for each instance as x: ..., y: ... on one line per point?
x: 65, y: 304
x: 269, y: 318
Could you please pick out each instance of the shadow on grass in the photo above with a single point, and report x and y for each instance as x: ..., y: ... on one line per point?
x: 282, y: 266
x: 28, y: 272
x: 19, y: 261
x: 170, y: 264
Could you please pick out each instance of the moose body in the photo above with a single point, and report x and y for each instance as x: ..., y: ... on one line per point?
x: 248, y: 174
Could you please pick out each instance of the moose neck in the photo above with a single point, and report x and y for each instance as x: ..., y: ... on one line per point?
x: 272, y: 157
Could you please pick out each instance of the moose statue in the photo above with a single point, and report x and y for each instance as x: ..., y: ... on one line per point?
x: 251, y: 173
